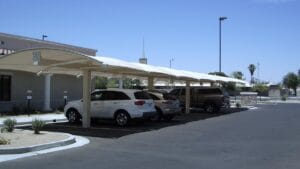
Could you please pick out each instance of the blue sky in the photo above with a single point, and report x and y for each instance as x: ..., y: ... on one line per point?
x: 257, y: 31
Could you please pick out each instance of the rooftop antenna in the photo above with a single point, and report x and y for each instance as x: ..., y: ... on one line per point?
x: 44, y: 36
x: 258, y: 67
x: 143, y: 56
x: 143, y: 59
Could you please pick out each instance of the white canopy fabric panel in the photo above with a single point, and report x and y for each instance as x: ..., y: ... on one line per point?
x: 43, y: 60
x: 165, y: 72
x: 58, y: 61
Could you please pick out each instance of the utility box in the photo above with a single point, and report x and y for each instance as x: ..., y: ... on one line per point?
x: 274, y: 91
x: 248, y: 98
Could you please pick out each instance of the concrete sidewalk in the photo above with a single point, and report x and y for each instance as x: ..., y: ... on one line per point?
x: 27, y: 119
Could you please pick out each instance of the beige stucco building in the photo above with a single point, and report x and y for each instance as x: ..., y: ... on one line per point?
x: 47, y: 91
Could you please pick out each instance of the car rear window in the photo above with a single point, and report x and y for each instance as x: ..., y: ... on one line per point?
x: 114, y: 95
x: 168, y: 97
x: 142, y: 95
x: 209, y: 91
x: 175, y: 92
x: 153, y: 96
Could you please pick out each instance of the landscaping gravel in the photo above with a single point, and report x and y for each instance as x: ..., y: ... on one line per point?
x: 25, y: 138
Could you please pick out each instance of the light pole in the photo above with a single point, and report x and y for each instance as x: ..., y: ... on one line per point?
x: 171, y: 60
x: 220, y: 42
x: 44, y: 36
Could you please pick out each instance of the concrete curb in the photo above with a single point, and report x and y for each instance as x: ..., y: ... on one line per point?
x: 46, y: 121
x: 21, y: 150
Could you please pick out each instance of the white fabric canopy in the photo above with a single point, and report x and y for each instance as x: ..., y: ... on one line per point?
x: 158, y: 71
x: 70, y: 62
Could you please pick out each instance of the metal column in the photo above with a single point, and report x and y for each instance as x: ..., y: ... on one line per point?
x: 187, y: 97
x: 86, y: 115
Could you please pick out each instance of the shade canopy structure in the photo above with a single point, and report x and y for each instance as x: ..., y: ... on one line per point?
x: 117, y: 66
x: 59, y: 61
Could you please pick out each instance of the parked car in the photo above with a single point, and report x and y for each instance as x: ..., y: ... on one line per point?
x: 211, y: 99
x: 122, y: 105
x: 166, y: 105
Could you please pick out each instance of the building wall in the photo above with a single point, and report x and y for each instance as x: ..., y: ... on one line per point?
x: 15, y: 43
x: 21, y: 82
x: 62, y: 83
x: 274, y: 93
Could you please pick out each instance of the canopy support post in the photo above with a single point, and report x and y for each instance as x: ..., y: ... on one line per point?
x: 47, y: 92
x: 121, y: 82
x: 150, y: 83
x: 86, y: 114
x: 187, y: 97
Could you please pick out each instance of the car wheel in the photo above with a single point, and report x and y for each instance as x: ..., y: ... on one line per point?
x: 210, y: 108
x: 122, y: 118
x: 169, y: 117
x: 73, y: 116
x: 158, y: 115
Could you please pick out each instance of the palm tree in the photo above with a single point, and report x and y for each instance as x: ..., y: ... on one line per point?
x: 252, y: 70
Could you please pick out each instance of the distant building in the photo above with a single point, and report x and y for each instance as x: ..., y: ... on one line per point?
x: 143, y: 60
x: 15, y: 86
x: 274, y: 91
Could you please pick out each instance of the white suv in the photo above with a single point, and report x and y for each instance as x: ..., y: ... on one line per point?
x: 122, y: 105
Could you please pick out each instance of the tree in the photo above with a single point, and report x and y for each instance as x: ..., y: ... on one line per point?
x: 237, y: 75
x: 218, y: 74
x: 260, y: 88
x: 132, y: 83
x: 100, y: 82
x: 252, y: 68
x: 112, y: 83
x: 291, y: 81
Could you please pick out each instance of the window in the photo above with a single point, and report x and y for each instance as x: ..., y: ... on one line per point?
x: 2, y: 42
x: 96, y: 96
x: 153, y: 96
x: 167, y: 96
x: 113, y: 95
x: 175, y: 92
x: 141, y: 95
x: 209, y: 91
x: 5, y: 87
x: 120, y: 96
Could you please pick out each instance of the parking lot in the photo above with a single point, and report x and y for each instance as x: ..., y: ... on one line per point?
x: 108, y: 129
x: 267, y: 137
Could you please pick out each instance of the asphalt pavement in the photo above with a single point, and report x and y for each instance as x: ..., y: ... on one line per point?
x: 268, y: 137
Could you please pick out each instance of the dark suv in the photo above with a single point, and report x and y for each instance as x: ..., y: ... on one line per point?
x: 211, y: 99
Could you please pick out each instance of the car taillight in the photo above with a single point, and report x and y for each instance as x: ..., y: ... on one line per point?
x: 139, y: 102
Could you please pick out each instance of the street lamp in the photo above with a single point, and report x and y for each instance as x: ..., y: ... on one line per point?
x: 220, y: 45
x: 44, y: 36
x: 171, y: 60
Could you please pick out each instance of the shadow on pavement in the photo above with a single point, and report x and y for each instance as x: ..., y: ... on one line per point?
x: 107, y: 129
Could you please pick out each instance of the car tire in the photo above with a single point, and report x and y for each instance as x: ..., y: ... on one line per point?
x: 158, y: 115
x: 73, y: 116
x: 122, y: 118
x: 210, y: 108
x: 168, y: 117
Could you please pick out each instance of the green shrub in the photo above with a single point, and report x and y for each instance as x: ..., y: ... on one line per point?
x: 4, y: 141
x: 283, y: 98
x: 37, y: 125
x: 9, y: 125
